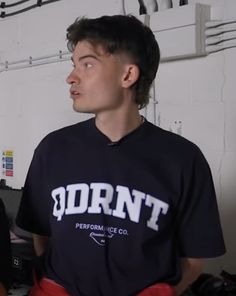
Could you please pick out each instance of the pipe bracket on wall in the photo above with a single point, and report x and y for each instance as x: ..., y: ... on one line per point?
x: 38, y: 3
x: 220, y: 35
x: 37, y: 61
x: 180, y: 31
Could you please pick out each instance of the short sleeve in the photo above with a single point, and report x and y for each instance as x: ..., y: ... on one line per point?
x: 33, y: 214
x: 199, y: 230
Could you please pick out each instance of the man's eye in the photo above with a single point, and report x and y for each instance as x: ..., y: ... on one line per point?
x: 87, y: 65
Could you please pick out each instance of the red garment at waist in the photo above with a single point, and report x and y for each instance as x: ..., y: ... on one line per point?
x: 45, y: 287
x: 160, y: 289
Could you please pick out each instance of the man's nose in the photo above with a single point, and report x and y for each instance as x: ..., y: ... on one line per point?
x: 73, y: 78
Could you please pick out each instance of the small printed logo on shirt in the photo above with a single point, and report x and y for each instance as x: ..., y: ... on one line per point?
x: 101, y: 238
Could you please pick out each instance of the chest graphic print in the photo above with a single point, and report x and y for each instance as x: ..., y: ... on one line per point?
x: 96, y: 198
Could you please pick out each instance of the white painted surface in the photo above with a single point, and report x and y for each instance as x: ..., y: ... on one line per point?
x: 196, y: 97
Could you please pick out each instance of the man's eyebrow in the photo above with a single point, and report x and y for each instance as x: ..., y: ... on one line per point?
x: 86, y: 56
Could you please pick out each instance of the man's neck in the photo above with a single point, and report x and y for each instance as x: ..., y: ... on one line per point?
x: 116, y: 125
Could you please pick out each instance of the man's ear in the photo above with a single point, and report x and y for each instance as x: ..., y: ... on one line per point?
x: 130, y: 76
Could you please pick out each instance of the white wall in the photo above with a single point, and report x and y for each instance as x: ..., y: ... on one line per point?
x: 195, y: 97
x: 200, y: 94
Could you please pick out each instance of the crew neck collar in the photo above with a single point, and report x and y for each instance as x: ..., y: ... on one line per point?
x: 103, y: 138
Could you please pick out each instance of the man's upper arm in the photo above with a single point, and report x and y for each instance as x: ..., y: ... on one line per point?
x: 40, y: 243
x: 191, y: 269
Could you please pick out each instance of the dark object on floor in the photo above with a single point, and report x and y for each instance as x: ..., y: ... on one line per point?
x: 22, y: 263
x: 230, y: 282
x: 5, y: 248
x: 21, y: 242
x: 210, y: 285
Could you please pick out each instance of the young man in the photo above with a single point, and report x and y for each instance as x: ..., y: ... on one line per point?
x: 118, y: 206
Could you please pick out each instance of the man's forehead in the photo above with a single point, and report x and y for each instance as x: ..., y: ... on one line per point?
x: 86, y: 47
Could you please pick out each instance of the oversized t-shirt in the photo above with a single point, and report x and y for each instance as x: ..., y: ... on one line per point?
x: 119, y: 215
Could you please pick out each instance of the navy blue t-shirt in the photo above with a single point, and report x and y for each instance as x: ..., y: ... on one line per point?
x: 119, y: 215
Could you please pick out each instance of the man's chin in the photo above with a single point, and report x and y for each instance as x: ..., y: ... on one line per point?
x: 81, y: 109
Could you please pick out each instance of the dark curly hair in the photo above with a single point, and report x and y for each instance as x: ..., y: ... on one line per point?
x: 122, y: 34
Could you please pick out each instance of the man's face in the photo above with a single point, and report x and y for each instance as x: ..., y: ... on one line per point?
x: 96, y: 79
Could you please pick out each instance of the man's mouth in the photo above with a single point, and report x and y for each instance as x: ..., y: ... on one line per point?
x: 74, y: 94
